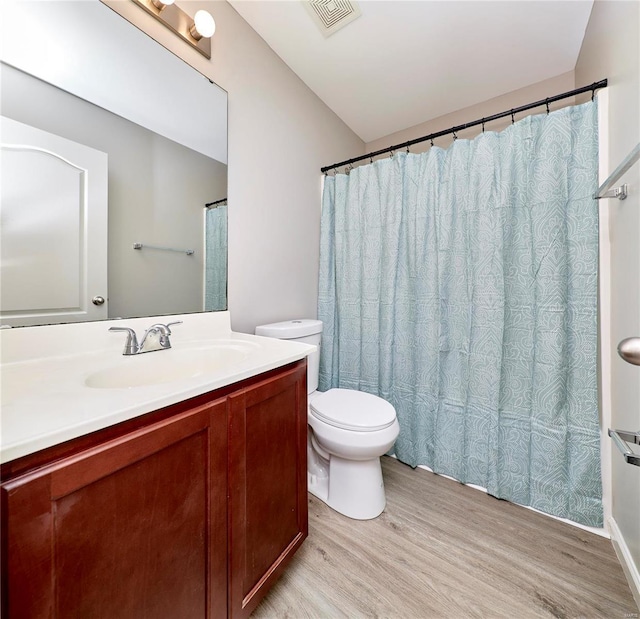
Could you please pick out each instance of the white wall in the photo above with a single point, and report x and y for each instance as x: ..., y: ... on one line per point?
x: 280, y: 134
x: 611, y: 50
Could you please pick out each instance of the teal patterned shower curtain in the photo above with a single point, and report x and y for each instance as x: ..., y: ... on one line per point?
x: 215, y: 272
x: 461, y: 286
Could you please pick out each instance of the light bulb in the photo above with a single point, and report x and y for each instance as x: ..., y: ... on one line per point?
x: 203, y: 25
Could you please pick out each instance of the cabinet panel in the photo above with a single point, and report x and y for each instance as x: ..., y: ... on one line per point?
x: 267, y: 480
x: 125, y: 529
x: 271, y: 503
x: 146, y: 522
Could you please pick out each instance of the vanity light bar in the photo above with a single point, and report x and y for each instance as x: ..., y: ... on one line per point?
x: 182, y: 24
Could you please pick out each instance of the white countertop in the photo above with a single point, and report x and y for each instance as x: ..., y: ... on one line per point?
x: 45, y: 370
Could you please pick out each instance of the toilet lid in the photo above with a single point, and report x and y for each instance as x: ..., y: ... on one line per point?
x: 353, y: 410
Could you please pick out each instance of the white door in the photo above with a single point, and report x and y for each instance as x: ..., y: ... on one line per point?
x: 624, y: 216
x: 53, y: 228
x: 620, y: 319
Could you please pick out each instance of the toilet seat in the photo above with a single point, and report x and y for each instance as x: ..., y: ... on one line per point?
x: 352, y: 410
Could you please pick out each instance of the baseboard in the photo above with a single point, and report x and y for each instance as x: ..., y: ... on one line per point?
x: 629, y: 567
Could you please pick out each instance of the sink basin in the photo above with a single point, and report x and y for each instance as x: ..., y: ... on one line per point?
x: 167, y: 366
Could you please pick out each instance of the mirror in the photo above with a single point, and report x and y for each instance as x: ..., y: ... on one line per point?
x: 87, y: 94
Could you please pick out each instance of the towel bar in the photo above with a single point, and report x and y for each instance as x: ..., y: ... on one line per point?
x: 620, y: 438
x: 605, y: 191
x: 189, y: 252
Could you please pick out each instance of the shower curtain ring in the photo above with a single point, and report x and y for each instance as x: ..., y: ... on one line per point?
x: 408, y: 151
x: 483, y: 125
x: 455, y: 137
x: 432, y: 144
x: 593, y: 93
x: 391, y: 153
x: 547, y: 104
x: 370, y: 159
x: 513, y: 118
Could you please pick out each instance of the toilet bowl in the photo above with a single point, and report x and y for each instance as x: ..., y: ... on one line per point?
x: 348, y: 431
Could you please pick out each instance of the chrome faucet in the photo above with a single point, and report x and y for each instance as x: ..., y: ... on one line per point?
x: 155, y: 337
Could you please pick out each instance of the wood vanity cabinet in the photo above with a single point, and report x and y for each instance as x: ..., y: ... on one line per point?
x: 192, y: 511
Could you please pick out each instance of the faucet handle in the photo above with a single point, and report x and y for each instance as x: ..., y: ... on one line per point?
x: 162, y: 328
x: 177, y: 322
x: 131, y: 343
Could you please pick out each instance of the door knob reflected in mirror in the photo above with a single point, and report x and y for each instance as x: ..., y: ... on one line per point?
x: 98, y: 300
x: 629, y: 350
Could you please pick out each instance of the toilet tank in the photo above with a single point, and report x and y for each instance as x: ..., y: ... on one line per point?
x: 302, y: 330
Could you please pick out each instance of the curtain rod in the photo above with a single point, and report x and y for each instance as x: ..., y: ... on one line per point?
x: 516, y: 110
x: 215, y: 203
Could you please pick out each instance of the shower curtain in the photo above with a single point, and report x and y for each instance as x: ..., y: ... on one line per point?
x: 461, y: 286
x: 215, y: 286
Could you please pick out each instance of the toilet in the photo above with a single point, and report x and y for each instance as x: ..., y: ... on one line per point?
x: 348, y: 432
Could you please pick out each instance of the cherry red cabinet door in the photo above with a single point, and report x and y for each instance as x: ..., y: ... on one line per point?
x: 132, y: 528
x: 267, y: 484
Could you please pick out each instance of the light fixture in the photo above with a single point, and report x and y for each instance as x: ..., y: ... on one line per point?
x: 160, y: 4
x: 196, y: 31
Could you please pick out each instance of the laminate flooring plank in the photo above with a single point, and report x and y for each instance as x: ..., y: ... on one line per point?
x: 442, y: 550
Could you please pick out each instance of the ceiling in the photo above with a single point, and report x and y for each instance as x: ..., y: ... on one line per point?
x: 404, y: 62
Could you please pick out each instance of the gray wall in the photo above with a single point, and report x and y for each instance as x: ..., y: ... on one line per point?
x: 157, y: 192
x: 611, y: 49
x: 522, y: 96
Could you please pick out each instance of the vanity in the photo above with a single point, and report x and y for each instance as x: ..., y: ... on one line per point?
x: 168, y: 484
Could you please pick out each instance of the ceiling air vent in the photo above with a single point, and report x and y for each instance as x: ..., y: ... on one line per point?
x: 331, y: 15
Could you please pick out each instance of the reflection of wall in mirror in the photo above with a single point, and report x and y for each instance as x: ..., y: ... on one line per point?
x: 157, y: 191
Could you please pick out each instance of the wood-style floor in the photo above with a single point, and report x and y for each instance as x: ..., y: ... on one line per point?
x: 444, y: 550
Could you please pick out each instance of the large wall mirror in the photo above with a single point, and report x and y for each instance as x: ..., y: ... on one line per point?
x: 111, y: 149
